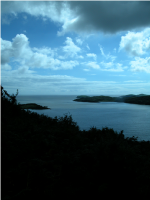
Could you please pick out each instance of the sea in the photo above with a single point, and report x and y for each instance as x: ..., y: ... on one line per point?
x: 133, y: 119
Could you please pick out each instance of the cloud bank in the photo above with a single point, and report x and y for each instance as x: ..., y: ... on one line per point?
x: 85, y: 17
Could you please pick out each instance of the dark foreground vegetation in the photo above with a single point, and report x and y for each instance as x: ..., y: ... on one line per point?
x: 46, y: 158
x: 135, y: 99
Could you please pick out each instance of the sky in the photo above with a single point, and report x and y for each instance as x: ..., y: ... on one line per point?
x: 75, y: 47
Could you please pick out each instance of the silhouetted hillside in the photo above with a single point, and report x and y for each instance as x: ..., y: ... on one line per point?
x: 45, y: 158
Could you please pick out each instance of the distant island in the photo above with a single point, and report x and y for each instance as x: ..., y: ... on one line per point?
x: 131, y: 98
x: 33, y: 106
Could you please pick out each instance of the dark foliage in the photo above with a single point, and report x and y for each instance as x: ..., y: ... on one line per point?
x: 45, y: 158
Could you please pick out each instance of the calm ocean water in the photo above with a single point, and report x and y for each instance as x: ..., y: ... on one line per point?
x: 133, y: 119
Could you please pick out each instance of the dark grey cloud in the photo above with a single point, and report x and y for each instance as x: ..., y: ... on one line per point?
x: 86, y: 16
x: 110, y: 17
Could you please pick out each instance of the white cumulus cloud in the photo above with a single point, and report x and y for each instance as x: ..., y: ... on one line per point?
x: 79, y: 41
x: 140, y: 64
x: 71, y: 49
x: 136, y: 44
x: 107, y: 65
x: 112, y: 67
x: 19, y: 51
x: 44, y: 50
x: 93, y: 65
x: 86, y: 70
x: 93, y: 55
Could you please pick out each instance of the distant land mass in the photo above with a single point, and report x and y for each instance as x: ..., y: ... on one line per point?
x: 131, y: 98
x: 33, y: 106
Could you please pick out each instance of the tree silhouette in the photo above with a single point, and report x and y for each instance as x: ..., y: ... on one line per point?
x: 11, y: 98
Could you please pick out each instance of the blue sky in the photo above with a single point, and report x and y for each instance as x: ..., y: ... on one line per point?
x: 73, y: 48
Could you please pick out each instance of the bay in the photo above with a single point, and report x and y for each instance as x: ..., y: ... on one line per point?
x: 133, y: 119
